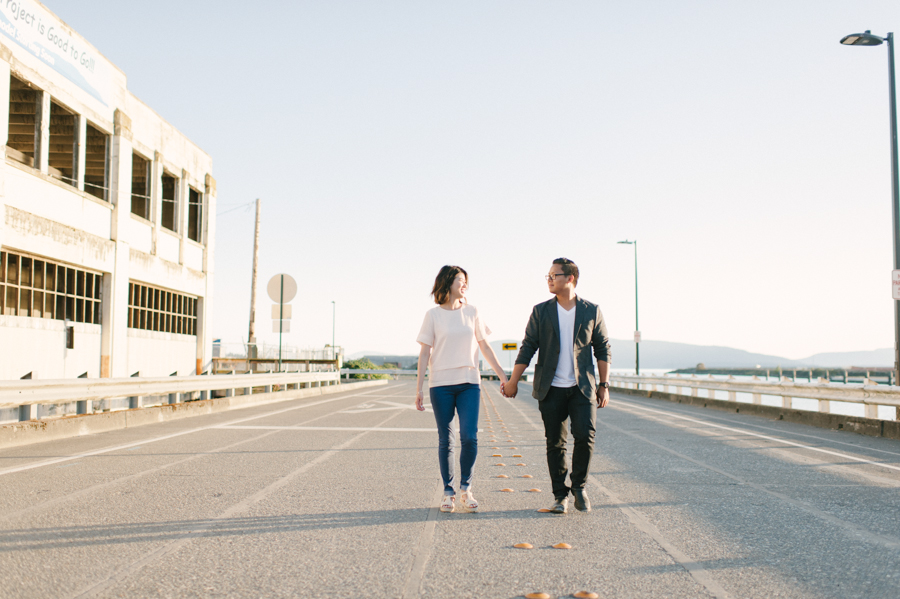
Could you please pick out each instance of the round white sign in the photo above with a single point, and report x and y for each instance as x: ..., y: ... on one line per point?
x: 282, y: 294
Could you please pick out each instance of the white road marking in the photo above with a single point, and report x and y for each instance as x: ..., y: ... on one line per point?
x: 86, y: 454
x: 328, y: 428
x: 761, y: 436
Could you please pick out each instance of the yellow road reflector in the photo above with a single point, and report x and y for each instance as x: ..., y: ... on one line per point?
x: 500, y: 464
x: 507, y: 491
x: 544, y: 510
x: 502, y: 476
x: 534, y: 490
x: 586, y: 595
x: 537, y: 596
x: 527, y: 476
x: 496, y: 455
x: 523, y: 546
x: 521, y: 464
x: 517, y: 455
x: 562, y: 546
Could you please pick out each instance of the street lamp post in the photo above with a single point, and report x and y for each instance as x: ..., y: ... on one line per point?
x: 867, y: 39
x: 333, y: 313
x: 637, y: 328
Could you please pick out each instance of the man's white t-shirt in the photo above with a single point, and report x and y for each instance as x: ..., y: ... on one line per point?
x: 565, y: 369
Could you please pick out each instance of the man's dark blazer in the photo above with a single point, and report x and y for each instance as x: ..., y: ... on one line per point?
x: 542, y: 335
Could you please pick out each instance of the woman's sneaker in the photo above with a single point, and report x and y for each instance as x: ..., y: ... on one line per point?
x: 469, y: 502
x: 448, y: 504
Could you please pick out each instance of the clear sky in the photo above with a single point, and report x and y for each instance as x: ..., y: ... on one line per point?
x: 739, y: 142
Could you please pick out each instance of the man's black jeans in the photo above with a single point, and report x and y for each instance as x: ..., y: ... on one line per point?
x: 556, y: 408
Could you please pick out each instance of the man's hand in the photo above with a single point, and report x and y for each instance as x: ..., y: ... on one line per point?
x: 602, y: 397
x: 510, y: 388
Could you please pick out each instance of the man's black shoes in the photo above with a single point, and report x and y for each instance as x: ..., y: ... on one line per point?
x: 560, y: 506
x: 582, y: 502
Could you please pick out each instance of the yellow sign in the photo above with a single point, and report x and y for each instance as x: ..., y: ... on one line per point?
x: 510, y: 346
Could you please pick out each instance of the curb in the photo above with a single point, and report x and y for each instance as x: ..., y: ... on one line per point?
x: 889, y: 429
x: 38, y: 431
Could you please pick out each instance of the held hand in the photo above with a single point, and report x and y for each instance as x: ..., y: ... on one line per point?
x: 419, y: 399
x: 503, y: 384
x: 510, y: 388
x: 602, y: 397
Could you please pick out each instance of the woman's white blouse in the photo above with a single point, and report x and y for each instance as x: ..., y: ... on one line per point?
x: 454, y: 337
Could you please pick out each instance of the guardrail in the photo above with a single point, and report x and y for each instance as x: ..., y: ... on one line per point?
x: 395, y: 372
x: 27, y: 395
x: 870, y: 394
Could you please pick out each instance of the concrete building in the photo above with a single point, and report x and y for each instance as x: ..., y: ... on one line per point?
x: 107, y: 216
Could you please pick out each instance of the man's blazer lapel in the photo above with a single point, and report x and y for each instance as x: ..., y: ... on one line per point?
x: 580, y: 314
x: 554, y: 317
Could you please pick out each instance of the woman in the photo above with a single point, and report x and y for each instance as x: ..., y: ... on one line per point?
x: 451, y: 336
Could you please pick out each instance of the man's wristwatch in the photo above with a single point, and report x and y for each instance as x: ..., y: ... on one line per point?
x: 604, y: 385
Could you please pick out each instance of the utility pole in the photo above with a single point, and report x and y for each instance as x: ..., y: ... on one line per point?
x: 251, y: 348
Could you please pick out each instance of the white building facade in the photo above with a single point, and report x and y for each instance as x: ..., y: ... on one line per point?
x: 107, y: 216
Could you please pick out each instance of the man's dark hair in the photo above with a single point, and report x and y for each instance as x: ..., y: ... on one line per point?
x: 568, y: 268
x: 442, y: 283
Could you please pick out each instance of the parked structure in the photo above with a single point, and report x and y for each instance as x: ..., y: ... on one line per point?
x: 107, y: 216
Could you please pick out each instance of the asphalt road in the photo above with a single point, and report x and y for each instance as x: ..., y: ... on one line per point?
x: 335, y: 496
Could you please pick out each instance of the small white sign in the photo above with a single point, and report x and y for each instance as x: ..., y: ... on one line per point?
x: 281, y: 312
x: 637, y: 336
x: 281, y: 326
x: 282, y: 288
x: 895, y: 287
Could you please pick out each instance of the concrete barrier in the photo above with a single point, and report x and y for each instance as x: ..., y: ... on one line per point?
x: 36, y: 431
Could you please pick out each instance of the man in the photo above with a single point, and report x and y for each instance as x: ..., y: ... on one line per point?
x: 563, y: 330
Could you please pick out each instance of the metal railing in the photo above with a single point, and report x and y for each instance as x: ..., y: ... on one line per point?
x: 28, y: 394
x: 869, y: 394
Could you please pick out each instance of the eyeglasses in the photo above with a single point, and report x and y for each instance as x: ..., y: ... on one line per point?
x: 552, y: 277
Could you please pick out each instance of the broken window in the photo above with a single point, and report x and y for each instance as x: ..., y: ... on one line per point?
x: 61, y: 158
x: 22, y: 122
x: 157, y: 309
x: 96, y: 171
x: 195, y: 214
x: 140, y: 186
x: 169, y: 202
x: 43, y: 289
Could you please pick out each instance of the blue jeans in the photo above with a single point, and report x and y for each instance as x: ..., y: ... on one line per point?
x: 465, y: 400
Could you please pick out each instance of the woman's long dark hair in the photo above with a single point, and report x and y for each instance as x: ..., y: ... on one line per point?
x: 444, y: 280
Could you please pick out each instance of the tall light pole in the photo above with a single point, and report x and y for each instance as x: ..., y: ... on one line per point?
x: 637, y: 328
x: 867, y: 39
x: 333, y: 315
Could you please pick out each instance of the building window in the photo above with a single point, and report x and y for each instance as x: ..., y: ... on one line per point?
x: 61, y: 158
x: 195, y: 214
x: 140, y: 186
x: 43, y: 289
x: 169, y: 202
x: 156, y: 309
x: 96, y: 163
x: 22, y: 122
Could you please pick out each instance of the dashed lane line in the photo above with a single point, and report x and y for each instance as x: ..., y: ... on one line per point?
x: 761, y: 436
x: 700, y: 574
x: 202, y: 530
x: 50, y: 462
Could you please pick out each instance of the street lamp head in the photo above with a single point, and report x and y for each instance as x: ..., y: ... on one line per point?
x: 626, y: 242
x: 862, y: 39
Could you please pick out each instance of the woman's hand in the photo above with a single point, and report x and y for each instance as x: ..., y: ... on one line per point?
x: 419, y: 399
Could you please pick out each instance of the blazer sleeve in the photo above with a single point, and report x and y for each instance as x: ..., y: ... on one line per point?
x: 600, y: 340
x: 531, y: 342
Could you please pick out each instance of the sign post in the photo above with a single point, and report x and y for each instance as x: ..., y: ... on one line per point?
x: 510, y: 347
x: 281, y: 288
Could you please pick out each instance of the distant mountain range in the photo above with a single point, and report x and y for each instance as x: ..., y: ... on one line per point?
x: 670, y: 355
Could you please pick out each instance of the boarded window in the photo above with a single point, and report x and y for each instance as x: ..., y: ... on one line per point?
x: 195, y: 214
x: 140, y: 186
x: 157, y: 309
x: 31, y: 286
x: 169, y: 202
x: 62, y: 144
x: 96, y: 163
x: 22, y: 122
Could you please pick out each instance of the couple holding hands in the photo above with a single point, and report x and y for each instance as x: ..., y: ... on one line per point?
x: 563, y: 331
